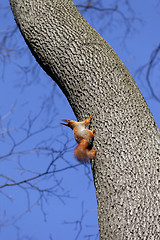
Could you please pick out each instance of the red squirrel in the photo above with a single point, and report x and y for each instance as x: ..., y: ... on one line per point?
x: 83, y: 136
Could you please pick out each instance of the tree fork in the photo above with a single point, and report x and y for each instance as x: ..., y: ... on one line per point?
x: 96, y: 82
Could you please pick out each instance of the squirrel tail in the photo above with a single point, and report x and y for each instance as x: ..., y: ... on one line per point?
x: 81, y: 152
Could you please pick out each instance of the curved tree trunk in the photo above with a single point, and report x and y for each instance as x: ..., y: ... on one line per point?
x: 95, y: 81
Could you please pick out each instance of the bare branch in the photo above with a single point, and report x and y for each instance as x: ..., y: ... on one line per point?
x: 152, y: 63
x: 78, y: 223
x: 14, y: 183
x: 113, y: 13
x: 150, y: 66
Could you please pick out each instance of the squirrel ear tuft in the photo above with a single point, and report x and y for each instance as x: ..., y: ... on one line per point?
x: 67, y: 122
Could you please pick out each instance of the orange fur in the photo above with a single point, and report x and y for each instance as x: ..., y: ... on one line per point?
x: 83, y: 136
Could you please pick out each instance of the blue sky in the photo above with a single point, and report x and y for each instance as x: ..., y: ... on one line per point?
x: 25, y: 89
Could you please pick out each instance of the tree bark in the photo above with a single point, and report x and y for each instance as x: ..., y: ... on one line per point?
x: 95, y: 81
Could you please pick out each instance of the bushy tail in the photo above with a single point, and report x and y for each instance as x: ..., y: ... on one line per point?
x: 82, y: 153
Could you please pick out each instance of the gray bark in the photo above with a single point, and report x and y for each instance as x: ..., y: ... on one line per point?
x: 95, y: 81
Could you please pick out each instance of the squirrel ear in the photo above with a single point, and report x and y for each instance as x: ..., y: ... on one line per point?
x: 67, y: 121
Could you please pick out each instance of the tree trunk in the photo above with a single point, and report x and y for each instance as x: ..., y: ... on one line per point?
x: 95, y: 81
